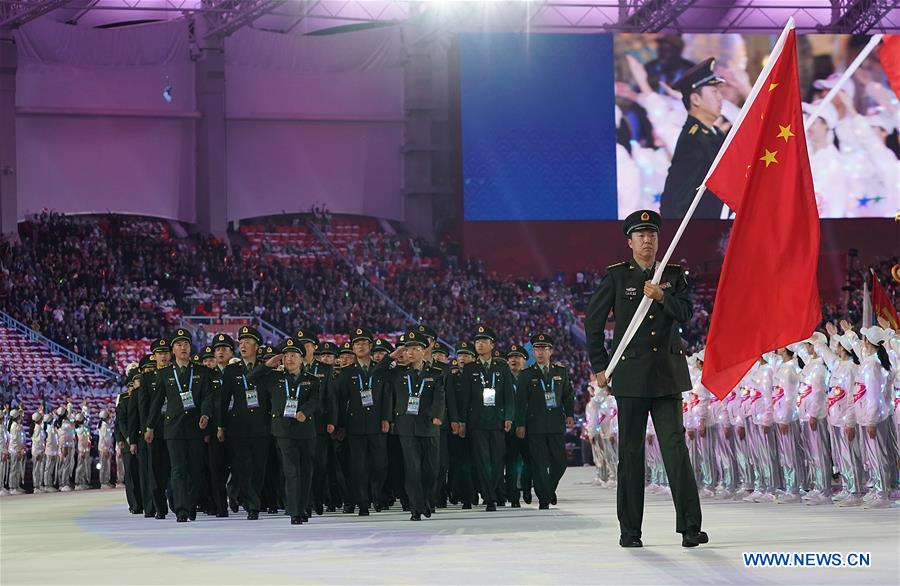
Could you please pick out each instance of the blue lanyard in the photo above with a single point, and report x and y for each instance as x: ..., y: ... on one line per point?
x: 409, y: 385
x: 359, y: 377
x: 246, y: 387
x: 190, y: 379
x: 552, y: 385
x: 493, y: 380
x: 287, y: 393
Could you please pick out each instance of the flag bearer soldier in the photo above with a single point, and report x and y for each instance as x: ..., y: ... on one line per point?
x: 157, y: 455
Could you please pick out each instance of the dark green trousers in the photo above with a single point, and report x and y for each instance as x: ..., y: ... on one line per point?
x: 250, y: 459
x: 548, y: 462
x: 667, y: 419
x: 420, y: 461
x: 488, y: 451
x: 297, y: 465
x: 368, y: 467
x: 186, y: 456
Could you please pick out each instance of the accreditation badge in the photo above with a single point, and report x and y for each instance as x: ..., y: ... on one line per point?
x: 187, y: 400
x: 290, y: 408
x: 489, y: 397
x: 412, y: 407
x: 252, y: 398
x: 365, y: 396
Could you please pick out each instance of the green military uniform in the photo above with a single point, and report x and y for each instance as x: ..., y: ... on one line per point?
x: 462, y: 488
x: 124, y: 430
x: 544, y: 400
x: 288, y: 395
x: 443, y: 467
x: 247, y: 428
x: 217, y: 453
x: 362, y: 403
x: 185, y: 389
x: 487, y: 388
x: 321, y: 493
x: 515, y: 462
x: 417, y: 397
x: 156, y: 455
x: 649, y: 378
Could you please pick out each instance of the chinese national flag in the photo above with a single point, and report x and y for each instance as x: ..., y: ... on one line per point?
x: 881, y: 304
x: 767, y: 296
x: 889, y: 55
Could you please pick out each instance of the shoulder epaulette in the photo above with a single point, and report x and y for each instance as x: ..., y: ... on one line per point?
x: 693, y: 129
x: 618, y: 264
x: 560, y: 364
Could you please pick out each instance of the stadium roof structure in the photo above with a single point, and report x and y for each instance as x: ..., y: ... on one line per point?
x: 222, y: 17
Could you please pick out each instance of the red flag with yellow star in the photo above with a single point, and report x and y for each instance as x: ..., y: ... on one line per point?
x: 881, y: 303
x: 767, y: 295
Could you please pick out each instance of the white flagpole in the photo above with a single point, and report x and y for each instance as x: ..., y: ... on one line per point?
x: 873, y: 42
x: 644, y: 305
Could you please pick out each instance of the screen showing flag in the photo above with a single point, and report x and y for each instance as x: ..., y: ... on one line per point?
x: 584, y: 127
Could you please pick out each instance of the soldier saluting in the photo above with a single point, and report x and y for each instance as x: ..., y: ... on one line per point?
x: 649, y: 379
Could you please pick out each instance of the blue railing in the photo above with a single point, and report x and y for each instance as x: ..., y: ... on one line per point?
x: 55, y: 348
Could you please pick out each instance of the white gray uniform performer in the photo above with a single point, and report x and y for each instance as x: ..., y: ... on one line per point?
x: 51, y: 455
x: 763, y: 440
x: 83, y: 443
x: 726, y: 464
x: 38, y: 439
x: 609, y: 436
x: 67, y: 447
x: 873, y: 416
x: 813, y: 412
x: 16, y: 451
x: 739, y: 409
x: 105, y: 448
x: 845, y: 441
x: 787, y: 418
x: 4, y: 452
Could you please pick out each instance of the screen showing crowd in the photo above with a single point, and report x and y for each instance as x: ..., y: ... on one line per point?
x: 584, y: 127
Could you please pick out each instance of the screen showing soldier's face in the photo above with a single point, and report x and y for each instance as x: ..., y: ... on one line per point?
x: 599, y: 128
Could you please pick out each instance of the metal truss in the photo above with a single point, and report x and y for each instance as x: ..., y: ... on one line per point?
x: 654, y: 15
x: 860, y: 16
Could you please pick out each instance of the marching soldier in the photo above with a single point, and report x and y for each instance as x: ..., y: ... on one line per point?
x: 436, y: 356
x: 418, y: 404
x: 157, y: 456
x: 292, y: 394
x: 649, y: 379
x: 247, y: 423
x: 312, y: 364
x: 545, y: 404
x: 697, y: 146
x: 395, y: 485
x: 463, y: 489
x: 327, y: 353
x: 184, y: 387
x: 486, y: 385
x: 516, y: 467
x: 381, y: 349
x: 363, y: 412
x: 346, y: 357
x: 217, y: 457
x: 128, y: 444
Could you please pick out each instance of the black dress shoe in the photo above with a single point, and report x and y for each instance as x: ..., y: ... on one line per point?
x: 415, y: 517
x: 491, y: 506
x: 181, y: 518
x: 296, y: 520
x: 234, y: 506
x: 428, y: 513
x: 544, y: 506
x: 331, y: 509
x: 467, y: 505
x: 527, y: 497
x: 160, y: 515
x: 626, y: 541
x: 253, y: 515
x: 515, y: 505
x: 320, y: 510
x: 272, y: 510
x: 192, y: 516
x: 222, y: 514
x: 348, y: 509
x: 305, y: 518
x: 149, y: 515
x: 553, y: 499
x: 694, y: 538
x: 364, y: 512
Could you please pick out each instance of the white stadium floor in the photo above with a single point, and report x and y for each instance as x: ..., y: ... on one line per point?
x: 90, y: 538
